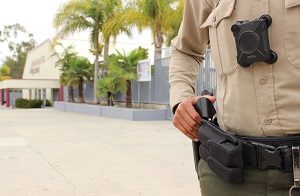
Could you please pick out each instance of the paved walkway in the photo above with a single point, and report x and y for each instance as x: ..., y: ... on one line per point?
x: 51, y: 153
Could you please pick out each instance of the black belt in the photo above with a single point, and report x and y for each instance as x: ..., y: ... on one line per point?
x: 227, y: 154
x: 269, y: 152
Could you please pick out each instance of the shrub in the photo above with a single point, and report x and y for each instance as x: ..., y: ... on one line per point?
x: 21, y: 103
x: 48, y: 103
x: 35, y: 103
x: 25, y: 103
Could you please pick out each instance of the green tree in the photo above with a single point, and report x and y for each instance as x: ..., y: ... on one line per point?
x: 18, y: 50
x: 81, y: 70
x: 66, y: 78
x: 4, y: 73
x: 74, y: 71
x: 174, y: 20
x: 123, y: 67
x: 80, y: 15
x: 112, y: 9
x: 163, y: 17
x: 112, y: 83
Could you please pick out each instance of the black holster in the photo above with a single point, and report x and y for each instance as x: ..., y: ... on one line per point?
x: 226, y: 154
x: 222, y: 152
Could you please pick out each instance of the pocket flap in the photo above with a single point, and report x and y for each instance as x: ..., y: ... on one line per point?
x: 291, y: 3
x: 223, y: 9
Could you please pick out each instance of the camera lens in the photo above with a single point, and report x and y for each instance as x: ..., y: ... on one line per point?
x: 249, y: 42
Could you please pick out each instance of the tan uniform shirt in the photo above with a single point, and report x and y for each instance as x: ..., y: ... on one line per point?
x: 261, y: 100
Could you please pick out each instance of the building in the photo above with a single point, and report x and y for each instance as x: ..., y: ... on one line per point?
x: 40, y: 78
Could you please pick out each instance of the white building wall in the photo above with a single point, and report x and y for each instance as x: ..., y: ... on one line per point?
x: 26, y: 94
x: 41, y: 64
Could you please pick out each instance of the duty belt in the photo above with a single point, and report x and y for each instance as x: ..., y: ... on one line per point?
x: 269, y: 152
x: 227, y: 154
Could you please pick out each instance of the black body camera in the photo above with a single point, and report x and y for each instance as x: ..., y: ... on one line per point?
x: 252, y: 41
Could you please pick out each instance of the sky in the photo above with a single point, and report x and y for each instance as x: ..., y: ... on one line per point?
x: 37, y: 16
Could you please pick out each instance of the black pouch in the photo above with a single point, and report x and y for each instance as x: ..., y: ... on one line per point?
x: 222, y: 151
x: 229, y: 174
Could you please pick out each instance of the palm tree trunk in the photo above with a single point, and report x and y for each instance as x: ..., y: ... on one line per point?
x: 158, y: 42
x: 80, y: 91
x: 71, y: 95
x: 110, y: 99
x: 96, y: 71
x: 128, y: 95
x: 106, y: 51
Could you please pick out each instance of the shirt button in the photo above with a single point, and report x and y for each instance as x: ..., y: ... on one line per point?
x: 268, y: 121
x: 214, y: 18
x: 263, y: 80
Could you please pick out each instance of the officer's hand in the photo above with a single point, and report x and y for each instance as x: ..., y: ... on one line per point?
x: 186, y: 118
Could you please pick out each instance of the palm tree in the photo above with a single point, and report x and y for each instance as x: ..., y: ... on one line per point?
x: 113, y: 82
x: 128, y: 64
x: 81, y: 70
x: 163, y: 17
x: 113, y: 9
x: 74, y: 71
x: 66, y: 78
x: 174, y: 20
x: 81, y: 15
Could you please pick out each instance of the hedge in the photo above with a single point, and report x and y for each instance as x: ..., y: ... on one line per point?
x: 25, y: 103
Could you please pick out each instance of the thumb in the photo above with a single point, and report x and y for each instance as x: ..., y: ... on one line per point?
x: 211, y: 98
x: 196, y: 98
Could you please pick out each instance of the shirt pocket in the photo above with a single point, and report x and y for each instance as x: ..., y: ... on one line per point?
x: 292, y: 31
x: 222, y: 41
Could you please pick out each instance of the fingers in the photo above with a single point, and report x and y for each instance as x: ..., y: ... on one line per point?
x: 189, y: 124
x: 183, y: 126
x: 179, y: 126
x: 193, y: 114
x: 186, y: 118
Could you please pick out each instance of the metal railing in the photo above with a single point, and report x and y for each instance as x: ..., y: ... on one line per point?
x: 157, y: 91
x: 207, y: 78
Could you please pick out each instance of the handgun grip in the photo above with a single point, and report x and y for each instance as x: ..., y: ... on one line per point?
x: 205, y: 108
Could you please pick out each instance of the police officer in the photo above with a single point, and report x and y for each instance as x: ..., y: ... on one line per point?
x: 260, y: 100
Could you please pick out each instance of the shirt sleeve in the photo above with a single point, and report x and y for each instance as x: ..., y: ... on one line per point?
x: 188, y: 51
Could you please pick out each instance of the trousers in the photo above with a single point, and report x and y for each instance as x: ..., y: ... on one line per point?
x: 258, y: 182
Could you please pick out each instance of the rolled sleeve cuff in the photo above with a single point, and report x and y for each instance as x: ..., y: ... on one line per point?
x: 180, y: 91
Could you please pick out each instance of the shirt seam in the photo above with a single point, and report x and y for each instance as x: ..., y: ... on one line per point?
x: 275, y: 104
x: 257, y: 105
x: 208, y: 4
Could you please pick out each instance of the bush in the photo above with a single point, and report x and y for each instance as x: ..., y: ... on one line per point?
x: 21, y: 103
x: 35, y: 103
x: 25, y: 103
x: 48, y: 104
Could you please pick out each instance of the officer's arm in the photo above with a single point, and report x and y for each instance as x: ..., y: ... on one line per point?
x: 187, y: 54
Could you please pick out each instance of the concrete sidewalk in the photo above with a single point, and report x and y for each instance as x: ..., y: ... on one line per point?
x: 51, y: 153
